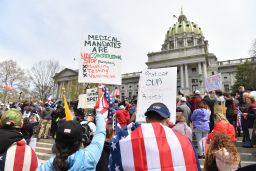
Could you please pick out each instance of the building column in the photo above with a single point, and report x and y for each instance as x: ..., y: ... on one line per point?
x: 174, y: 43
x: 181, y: 77
x: 231, y: 79
x: 185, y: 42
x: 186, y: 75
x: 199, y: 68
x: 205, y: 71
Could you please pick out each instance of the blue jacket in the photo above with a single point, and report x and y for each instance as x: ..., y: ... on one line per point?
x: 85, y: 158
x: 200, y: 118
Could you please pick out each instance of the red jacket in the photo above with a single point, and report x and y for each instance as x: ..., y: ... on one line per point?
x: 224, y: 127
x: 123, y: 117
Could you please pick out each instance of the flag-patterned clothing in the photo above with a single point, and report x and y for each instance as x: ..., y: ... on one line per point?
x: 153, y: 147
x: 19, y: 157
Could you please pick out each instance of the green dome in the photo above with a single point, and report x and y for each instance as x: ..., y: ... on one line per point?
x: 183, y: 26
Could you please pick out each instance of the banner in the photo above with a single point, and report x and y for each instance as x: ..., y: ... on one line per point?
x: 92, y: 96
x: 82, y: 101
x: 157, y: 85
x: 100, y: 59
x: 213, y: 82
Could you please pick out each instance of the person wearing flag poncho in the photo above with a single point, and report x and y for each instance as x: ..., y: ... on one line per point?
x: 152, y: 146
x: 69, y: 156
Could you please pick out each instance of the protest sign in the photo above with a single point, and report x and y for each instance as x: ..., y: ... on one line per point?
x: 100, y: 59
x: 92, y: 96
x: 82, y: 100
x: 157, y: 85
x: 213, y: 82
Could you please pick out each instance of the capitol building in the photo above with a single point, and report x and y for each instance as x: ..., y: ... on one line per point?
x: 184, y: 47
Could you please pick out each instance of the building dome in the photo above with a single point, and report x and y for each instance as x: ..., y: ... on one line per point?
x: 182, y: 34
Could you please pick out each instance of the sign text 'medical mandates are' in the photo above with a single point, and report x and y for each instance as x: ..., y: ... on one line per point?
x: 105, y: 41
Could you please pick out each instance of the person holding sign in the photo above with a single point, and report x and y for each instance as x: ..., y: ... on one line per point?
x: 153, y: 146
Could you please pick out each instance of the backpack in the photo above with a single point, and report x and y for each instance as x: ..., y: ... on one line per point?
x: 86, y: 133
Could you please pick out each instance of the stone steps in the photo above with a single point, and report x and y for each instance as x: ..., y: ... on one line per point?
x: 44, y: 149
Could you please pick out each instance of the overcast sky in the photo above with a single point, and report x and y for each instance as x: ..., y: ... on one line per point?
x: 46, y: 29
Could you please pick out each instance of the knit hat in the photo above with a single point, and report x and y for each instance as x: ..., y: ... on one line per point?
x: 122, y: 107
x: 160, y: 109
x: 12, y: 116
x: 69, y: 132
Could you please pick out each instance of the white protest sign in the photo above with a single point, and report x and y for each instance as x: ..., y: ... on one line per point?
x: 100, y: 59
x: 82, y: 100
x: 213, y: 82
x: 92, y: 96
x: 157, y: 85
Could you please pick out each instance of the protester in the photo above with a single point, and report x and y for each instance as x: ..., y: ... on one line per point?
x: 195, y: 99
x: 69, y: 156
x: 222, y: 125
x: 186, y: 110
x: 122, y: 116
x: 13, y: 146
x: 210, y: 101
x: 153, y: 146
x: 181, y: 125
x: 46, y: 123
x: 200, y: 120
x: 222, y: 154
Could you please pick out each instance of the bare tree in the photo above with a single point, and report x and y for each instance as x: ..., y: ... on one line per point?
x: 41, y: 76
x: 12, y: 75
x: 253, y: 49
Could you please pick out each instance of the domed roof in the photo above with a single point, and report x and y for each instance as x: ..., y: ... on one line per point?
x: 183, y: 26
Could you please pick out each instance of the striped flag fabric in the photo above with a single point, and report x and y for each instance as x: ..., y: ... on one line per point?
x: 116, y: 92
x: 152, y: 147
x: 19, y: 157
x: 104, y: 102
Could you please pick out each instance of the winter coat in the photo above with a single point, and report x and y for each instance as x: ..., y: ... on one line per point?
x: 224, y: 127
x: 123, y: 117
x: 85, y: 158
x: 200, y: 119
x: 224, y: 160
x: 14, y: 153
x: 103, y: 162
x: 183, y: 129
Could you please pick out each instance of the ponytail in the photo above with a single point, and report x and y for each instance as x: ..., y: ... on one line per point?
x: 60, y: 162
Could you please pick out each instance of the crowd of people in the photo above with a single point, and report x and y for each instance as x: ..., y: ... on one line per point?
x: 91, y: 142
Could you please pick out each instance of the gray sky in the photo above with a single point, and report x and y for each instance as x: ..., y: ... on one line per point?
x: 44, y: 29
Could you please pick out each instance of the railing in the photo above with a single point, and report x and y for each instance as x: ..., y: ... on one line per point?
x: 237, y: 61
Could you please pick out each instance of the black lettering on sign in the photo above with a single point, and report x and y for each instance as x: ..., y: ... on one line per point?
x: 154, y: 82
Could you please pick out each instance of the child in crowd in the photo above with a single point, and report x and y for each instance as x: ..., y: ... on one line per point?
x: 222, y: 154
x: 181, y: 125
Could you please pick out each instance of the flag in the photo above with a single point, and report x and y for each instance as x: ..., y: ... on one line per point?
x: 68, y: 114
x: 152, y: 147
x: 116, y: 92
x: 104, y: 103
x: 239, y: 118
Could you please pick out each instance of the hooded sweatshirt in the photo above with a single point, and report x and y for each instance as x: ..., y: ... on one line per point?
x: 224, y: 160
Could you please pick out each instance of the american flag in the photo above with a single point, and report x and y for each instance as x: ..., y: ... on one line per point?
x: 151, y: 147
x: 239, y: 118
x: 104, y: 103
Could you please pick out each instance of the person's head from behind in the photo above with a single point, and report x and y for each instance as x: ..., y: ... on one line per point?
x: 218, y: 93
x: 220, y: 141
x: 241, y: 89
x: 12, y: 119
x: 201, y: 105
x: 68, y: 141
x: 183, y: 100
x: 219, y: 117
x: 158, y: 112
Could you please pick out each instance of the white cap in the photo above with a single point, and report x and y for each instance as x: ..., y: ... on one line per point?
x: 197, y: 92
x: 183, y: 99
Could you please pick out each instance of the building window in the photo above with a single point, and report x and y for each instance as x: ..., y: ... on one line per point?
x: 171, y: 45
x: 180, y: 43
x: 226, y: 87
x: 194, y: 88
x: 190, y: 41
x: 178, y: 71
x: 193, y: 70
x: 199, y: 41
x: 123, y: 87
x: 122, y: 94
x: 212, y: 73
x: 194, y: 80
x: 130, y: 95
x: 130, y: 86
x: 225, y: 77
